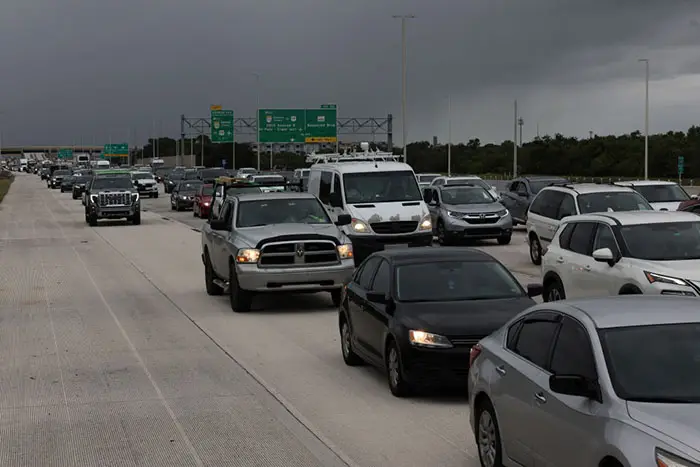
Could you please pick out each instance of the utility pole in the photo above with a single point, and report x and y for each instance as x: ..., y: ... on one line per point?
x: 449, y: 136
x: 257, y: 118
x: 646, y: 120
x: 403, y: 19
x: 521, y: 122
x: 515, y: 139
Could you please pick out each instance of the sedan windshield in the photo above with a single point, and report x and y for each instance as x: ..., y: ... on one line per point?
x: 142, y: 176
x: 207, y: 190
x: 212, y: 173
x: 281, y: 211
x: 189, y: 186
x: 666, y: 372
x: 466, y: 195
x: 111, y: 183
x: 662, y: 193
x: 381, y: 187
x: 242, y: 189
x: 668, y: 241
x: 445, y: 281
x: 614, y: 201
x: 472, y: 181
x: 61, y: 173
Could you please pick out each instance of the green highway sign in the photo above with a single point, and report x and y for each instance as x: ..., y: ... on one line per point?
x: 681, y: 164
x: 222, y: 126
x: 65, y: 154
x: 116, y: 150
x: 298, y: 125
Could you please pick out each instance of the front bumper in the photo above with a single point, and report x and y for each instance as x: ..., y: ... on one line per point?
x: 204, y: 209
x: 185, y: 203
x: 365, y: 245
x: 436, y: 367
x: 302, y: 279
x: 459, y: 229
x: 55, y: 183
x: 115, y: 212
x: 148, y: 189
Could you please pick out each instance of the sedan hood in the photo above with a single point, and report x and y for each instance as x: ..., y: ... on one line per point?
x: 475, y: 208
x: 678, y: 421
x: 145, y: 180
x: 477, y: 318
x: 253, y: 235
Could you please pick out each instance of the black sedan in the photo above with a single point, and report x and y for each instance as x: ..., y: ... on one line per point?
x: 67, y: 183
x: 417, y: 312
x: 79, y: 185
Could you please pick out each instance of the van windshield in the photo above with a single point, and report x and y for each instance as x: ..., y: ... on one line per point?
x: 381, y: 187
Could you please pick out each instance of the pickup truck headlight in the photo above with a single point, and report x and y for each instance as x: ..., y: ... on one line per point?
x: 359, y: 226
x: 425, y: 224
x: 345, y: 251
x: 428, y: 339
x: 247, y: 255
x: 93, y: 198
x: 134, y: 197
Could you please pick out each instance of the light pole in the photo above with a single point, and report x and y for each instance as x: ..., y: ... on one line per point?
x: 257, y: 117
x: 449, y: 136
x: 515, y: 139
x: 646, y: 120
x: 403, y: 19
x: 521, y: 122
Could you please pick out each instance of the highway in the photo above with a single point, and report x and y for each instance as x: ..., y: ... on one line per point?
x: 115, y: 355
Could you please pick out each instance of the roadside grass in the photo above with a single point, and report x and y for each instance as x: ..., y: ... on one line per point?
x: 5, y: 186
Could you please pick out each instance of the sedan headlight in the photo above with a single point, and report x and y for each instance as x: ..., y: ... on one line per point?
x: 345, y: 251
x: 427, y: 339
x: 425, y: 224
x: 653, y: 278
x: 247, y: 255
x: 665, y: 459
x: 359, y: 226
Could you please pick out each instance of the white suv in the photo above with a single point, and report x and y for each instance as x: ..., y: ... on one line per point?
x: 663, y: 196
x: 555, y: 202
x: 623, y: 253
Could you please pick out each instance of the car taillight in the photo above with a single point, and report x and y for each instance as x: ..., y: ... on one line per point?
x: 473, y: 353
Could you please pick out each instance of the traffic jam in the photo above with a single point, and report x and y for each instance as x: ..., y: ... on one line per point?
x: 576, y: 363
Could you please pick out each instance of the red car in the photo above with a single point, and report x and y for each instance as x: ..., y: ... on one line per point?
x: 202, y: 201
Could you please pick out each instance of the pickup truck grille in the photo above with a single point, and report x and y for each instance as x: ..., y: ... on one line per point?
x: 114, y: 199
x: 300, y: 253
x: 396, y: 227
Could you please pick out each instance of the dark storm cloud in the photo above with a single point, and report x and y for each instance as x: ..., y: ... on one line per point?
x: 91, y: 69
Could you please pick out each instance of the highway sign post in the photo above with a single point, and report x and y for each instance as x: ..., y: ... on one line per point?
x: 681, y: 167
x: 65, y: 154
x: 222, y: 128
x: 298, y: 125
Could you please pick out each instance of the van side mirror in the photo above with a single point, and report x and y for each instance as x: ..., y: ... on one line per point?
x: 427, y: 195
x: 343, y: 219
x: 336, y: 200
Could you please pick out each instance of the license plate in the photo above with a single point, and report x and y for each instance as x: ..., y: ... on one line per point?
x: 392, y: 246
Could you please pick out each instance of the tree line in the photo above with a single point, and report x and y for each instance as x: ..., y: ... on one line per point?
x: 598, y: 156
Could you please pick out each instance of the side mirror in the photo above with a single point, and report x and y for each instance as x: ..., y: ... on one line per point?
x: 524, y: 194
x: 534, y: 290
x: 377, y: 298
x: 336, y: 200
x: 575, y: 385
x: 428, y: 195
x: 693, y: 196
x: 343, y: 219
x: 219, y: 224
x: 604, y: 255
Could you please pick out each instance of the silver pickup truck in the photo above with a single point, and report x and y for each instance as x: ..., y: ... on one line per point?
x: 275, y: 242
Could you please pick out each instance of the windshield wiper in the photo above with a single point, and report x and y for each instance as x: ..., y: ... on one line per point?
x: 666, y: 400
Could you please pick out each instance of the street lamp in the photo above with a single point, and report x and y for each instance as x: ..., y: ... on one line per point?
x: 646, y: 120
x: 403, y: 19
x: 257, y: 117
x: 521, y: 122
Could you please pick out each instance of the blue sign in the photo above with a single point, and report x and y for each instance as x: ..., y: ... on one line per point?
x: 681, y: 164
x: 223, y: 163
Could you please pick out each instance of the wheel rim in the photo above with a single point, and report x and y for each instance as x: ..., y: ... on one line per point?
x: 487, y: 440
x: 554, y: 294
x: 534, y: 249
x: 345, y: 339
x: 394, y: 367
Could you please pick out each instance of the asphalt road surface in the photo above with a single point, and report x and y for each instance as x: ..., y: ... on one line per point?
x: 115, y: 355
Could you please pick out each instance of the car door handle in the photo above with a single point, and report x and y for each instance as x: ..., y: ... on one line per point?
x: 560, y: 259
x: 587, y: 267
x: 501, y: 370
x: 539, y: 397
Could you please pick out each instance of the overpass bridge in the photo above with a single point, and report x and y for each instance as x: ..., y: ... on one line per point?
x: 48, y: 149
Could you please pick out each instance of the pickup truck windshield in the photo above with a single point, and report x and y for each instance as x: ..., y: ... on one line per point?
x: 111, y: 183
x: 281, y: 211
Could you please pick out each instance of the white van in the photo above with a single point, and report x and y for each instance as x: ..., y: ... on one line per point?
x: 383, y: 199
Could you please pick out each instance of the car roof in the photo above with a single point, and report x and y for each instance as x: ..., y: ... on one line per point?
x: 364, y: 166
x: 586, y: 188
x: 424, y: 255
x: 543, y: 177
x: 273, y: 195
x: 634, y: 310
x: 645, y: 183
x: 636, y: 217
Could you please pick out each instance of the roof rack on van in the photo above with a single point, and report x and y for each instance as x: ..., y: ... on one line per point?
x: 364, y: 155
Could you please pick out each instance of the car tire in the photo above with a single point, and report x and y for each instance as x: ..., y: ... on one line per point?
x: 442, y: 235
x: 74, y: 197
x: 156, y: 195
x: 209, y: 276
x: 136, y: 219
x: 488, y: 436
x: 535, y: 250
x: 398, y: 385
x: 194, y: 212
x: 553, y: 291
x: 177, y: 206
x: 92, y: 220
x: 241, y: 300
x: 336, y: 296
x: 172, y: 206
x: 504, y: 239
x: 349, y: 356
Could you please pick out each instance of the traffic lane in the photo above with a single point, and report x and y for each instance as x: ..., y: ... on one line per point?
x: 117, y: 377
x: 291, y: 342
x: 161, y: 206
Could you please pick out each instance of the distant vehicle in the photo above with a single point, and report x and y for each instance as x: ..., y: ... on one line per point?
x: 111, y: 195
x: 520, y: 193
x: 662, y: 195
x: 424, y: 180
x: 145, y: 183
x: 245, y: 171
x: 157, y: 163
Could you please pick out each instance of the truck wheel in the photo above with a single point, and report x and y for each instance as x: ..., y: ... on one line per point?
x: 156, y: 195
x: 92, y: 220
x: 335, y: 296
x: 212, y: 288
x: 240, y: 299
x: 136, y: 219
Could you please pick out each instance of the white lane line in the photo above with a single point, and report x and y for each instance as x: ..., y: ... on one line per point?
x: 137, y: 355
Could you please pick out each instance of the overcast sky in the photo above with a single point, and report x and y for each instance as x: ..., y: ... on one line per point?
x: 88, y: 69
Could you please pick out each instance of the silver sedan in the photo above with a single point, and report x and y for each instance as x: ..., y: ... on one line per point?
x: 606, y: 382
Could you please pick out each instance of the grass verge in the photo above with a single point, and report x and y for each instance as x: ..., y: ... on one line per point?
x: 5, y: 186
